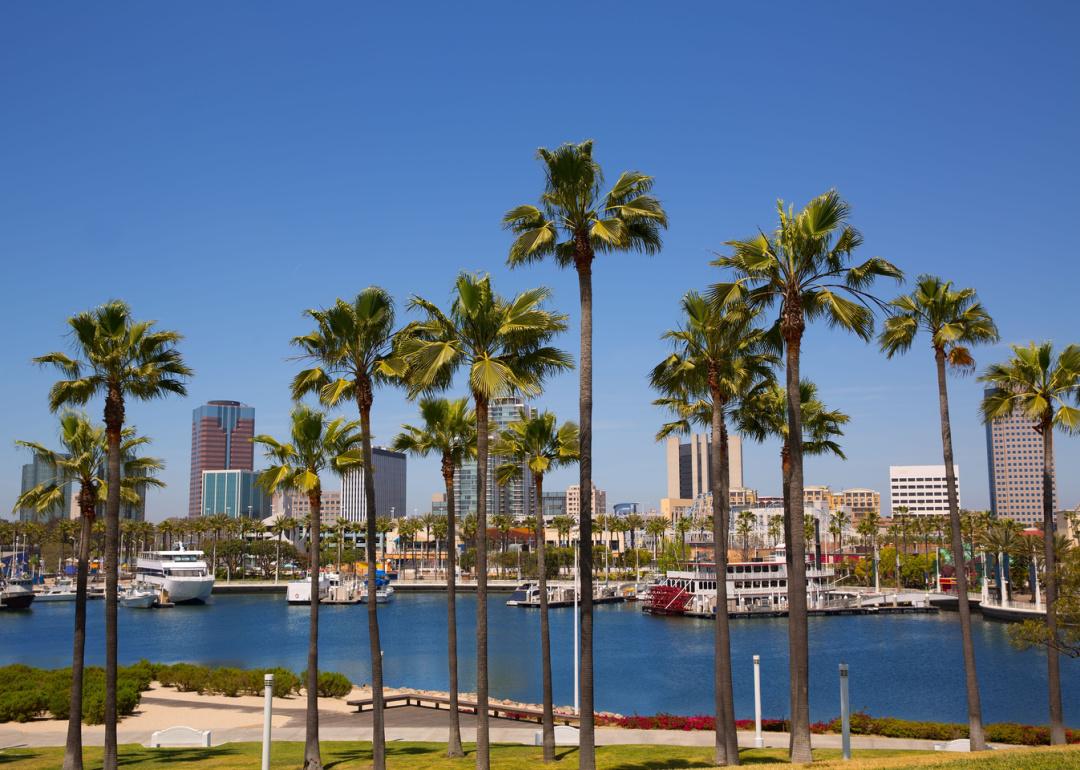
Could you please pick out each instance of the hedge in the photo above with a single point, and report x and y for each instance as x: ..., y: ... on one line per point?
x: 861, y: 724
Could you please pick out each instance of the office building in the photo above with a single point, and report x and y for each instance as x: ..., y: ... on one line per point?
x: 297, y: 505
x: 921, y: 489
x: 221, y: 433
x: 689, y: 465
x: 858, y: 503
x: 1014, y: 456
x: 38, y: 472
x: 625, y: 509
x: 234, y: 494
x: 438, y: 504
x: 389, y: 475
x: 516, y: 498
x: 573, y: 501
x: 553, y: 504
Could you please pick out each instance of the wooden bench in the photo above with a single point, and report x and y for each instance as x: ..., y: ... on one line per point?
x: 437, y: 702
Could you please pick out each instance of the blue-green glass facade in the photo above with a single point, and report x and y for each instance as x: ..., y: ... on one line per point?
x: 233, y: 493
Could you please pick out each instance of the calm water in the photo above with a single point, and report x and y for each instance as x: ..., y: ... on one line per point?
x: 905, y: 665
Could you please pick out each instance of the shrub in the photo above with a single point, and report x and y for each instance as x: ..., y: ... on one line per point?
x: 286, y: 683
x: 333, y: 685
x: 185, y: 677
x: 229, y: 682
x: 21, y: 705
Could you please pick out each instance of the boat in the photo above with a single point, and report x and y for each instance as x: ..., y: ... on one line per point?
x: 753, y: 588
x: 61, y: 591
x: 180, y: 576
x: 139, y: 596
x: 299, y: 591
x: 14, y: 596
x: 383, y: 594
x: 561, y: 595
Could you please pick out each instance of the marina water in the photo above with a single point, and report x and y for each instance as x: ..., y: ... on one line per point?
x: 905, y: 666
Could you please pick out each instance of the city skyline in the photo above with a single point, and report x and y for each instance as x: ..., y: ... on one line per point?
x: 256, y: 188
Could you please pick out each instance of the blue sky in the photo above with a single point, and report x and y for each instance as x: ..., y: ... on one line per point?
x: 224, y: 166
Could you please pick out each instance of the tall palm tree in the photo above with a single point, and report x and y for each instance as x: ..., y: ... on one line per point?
x: 806, y: 268
x: 351, y: 350
x: 655, y: 527
x: 281, y: 528
x: 502, y: 344
x: 635, y: 523
x: 575, y: 220
x: 316, y: 446
x: 839, y: 521
x: 954, y: 320
x: 119, y: 358
x: 1039, y: 385
x: 449, y: 431
x: 719, y: 360
x: 81, y: 461
x: 540, y: 445
x: 744, y: 527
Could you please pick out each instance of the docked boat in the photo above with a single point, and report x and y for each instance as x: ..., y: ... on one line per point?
x: 755, y: 587
x: 383, y: 594
x: 299, y: 591
x: 14, y: 596
x: 140, y: 596
x: 179, y: 576
x: 61, y: 591
x: 562, y: 595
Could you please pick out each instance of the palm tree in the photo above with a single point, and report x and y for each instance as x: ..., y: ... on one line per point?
x: 1038, y: 385
x: 449, y: 431
x: 635, y: 522
x: 317, y: 445
x: 806, y: 268
x: 655, y: 527
x: 384, y: 525
x: 574, y: 221
x: 776, y: 528
x: 282, y: 527
x: 839, y: 521
x: 719, y: 360
x: 351, y: 349
x: 81, y: 461
x: 538, y: 444
x: 119, y: 358
x: 954, y: 319
x: 744, y: 527
x: 503, y: 346
x: 563, y: 525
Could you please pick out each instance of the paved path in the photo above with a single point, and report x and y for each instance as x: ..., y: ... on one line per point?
x: 403, y: 723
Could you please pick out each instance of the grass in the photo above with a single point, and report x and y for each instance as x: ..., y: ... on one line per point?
x: 429, y: 756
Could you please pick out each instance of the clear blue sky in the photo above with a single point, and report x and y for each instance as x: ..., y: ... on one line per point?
x: 222, y: 166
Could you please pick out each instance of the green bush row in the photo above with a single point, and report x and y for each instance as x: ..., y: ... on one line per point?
x: 27, y: 693
x: 999, y: 732
x: 228, y: 681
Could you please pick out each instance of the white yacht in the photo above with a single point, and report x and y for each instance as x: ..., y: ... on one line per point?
x: 299, y: 591
x: 179, y: 575
x: 139, y: 596
x: 61, y: 591
x: 383, y: 594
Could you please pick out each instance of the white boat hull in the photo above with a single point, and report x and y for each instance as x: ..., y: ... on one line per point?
x: 55, y: 597
x: 182, y: 590
x: 299, y: 591
x: 141, y: 601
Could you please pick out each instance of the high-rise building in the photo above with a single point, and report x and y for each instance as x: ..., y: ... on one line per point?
x: 38, y: 472
x: 1014, y: 456
x: 689, y: 465
x: 553, y: 504
x: 514, y: 498
x: 625, y: 509
x: 297, y: 505
x: 859, y: 503
x: 221, y: 433
x: 389, y: 475
x: 573, y: 501
x: 921, y: 489
x: 235, y: 494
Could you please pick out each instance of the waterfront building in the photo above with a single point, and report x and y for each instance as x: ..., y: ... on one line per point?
x: 438, y: 504
x: 573, y: 501
x: 38, y: 472
x: 552, y: 505
x: 234, y: 493
x: 297, y: 505
x: 221, y: 433
x: 921, y: 489
x: 1014, y: 457
x: 389, y: 475
x: 689, y: 464
x: 625, y: 509
x: 514, y: 498
x: 675, y: 508
x: 859, y: 503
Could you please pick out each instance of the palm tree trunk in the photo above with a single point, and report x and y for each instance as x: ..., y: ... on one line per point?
x: 587, y: 736
x: 1053, y: 661
x: 483, y: 753
x: 798, y: 632
x: 312, y: 756
x: 726, y: 749
x: 453, y: 743
x: 73, y: 750
x: 548, y: 719
x: 971, y: 681
x: 378, y: 733
x: 114, y: 424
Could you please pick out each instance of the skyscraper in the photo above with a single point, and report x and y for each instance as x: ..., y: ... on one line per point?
x: 38, y: 472
x: 921, y: 489
x: 689, y: 465
x: 389, y: 469
x: 235, y: 494
x: 221, y: 433
x: 514, y: 498
x: 1014, y: 456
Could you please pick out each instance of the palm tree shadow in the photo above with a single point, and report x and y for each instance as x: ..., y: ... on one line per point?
x: 180, y: 756
x: 364, y: 755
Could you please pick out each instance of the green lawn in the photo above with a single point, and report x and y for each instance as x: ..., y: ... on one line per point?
x: 429, y: 756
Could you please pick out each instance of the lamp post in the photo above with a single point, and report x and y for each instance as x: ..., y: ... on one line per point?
x: 759, y: 739
x: 268, y: 710
x: 845, y: 717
